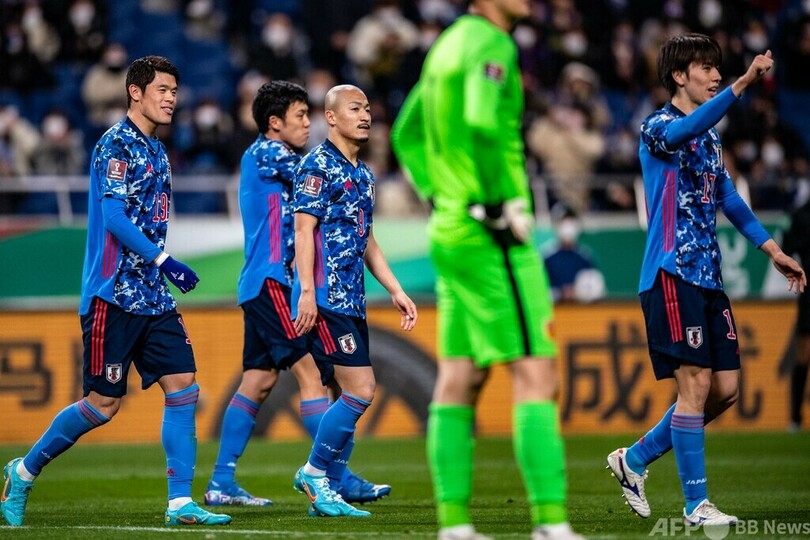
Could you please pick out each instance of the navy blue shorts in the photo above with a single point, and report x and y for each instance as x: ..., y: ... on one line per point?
x: 339, y: 340
x: 688, y: 324
x: 113, y: 339
x: 270, y: 338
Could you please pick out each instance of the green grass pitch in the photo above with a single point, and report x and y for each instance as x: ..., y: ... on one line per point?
x: 118, y: 491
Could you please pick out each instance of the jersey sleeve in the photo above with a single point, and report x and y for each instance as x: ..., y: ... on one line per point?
x: 664, y: 132
x: 278, y: 166
x: 113, y: 170
x: 408, y: 142
x: 484, y: 95
x: 116, y: 221
x: 311, y: 191
x: 738, y: 213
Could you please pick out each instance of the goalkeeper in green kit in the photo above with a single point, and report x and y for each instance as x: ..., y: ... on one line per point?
x: 458, y: 137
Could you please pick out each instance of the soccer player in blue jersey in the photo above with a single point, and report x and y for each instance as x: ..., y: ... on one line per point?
x: 333, y: 202
x: 690, y: 326
x: 128, y: 314
x: 281, y: 114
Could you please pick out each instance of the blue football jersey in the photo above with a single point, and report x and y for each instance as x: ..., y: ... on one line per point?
x: 129, y: 166
x: 341, y: 196
x: 684, y: 185
x: 265, y: 196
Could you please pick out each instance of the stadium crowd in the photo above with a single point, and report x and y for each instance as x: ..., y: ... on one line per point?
x: 588, y: 71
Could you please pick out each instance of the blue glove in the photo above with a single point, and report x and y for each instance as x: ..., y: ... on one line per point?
x: 179, y: 274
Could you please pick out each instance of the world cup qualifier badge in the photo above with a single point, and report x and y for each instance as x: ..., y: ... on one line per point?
x: 694, y: 336
x: 494, y: 72
x: 116, y: 170
x: 347, y: 343
x: 114, y: 373
x: 312, y: 186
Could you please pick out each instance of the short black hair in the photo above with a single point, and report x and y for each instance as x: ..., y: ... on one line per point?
x: 680, y: 52
x: 274, y: 99
x: 142, y: 71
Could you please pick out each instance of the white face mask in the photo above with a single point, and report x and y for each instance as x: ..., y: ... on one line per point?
x: 747, y: 151
x: 207, y: 116
x: 772, y: 154
x: 524, y: 36
x: 756, y: 41
x: 317, y: 93
x: 277, y: 36
x: 81, y: 15
x: 427, y: 38
x: 568, y: 231
x: 389, y: 16
x: 575, y: 44
x: 709, y: 13
x: 32, y: 18
x: 54, y: 127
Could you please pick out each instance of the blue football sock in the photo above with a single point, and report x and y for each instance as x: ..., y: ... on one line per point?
x: 336, y: 429
x: 311, y: 413
x: 179, y: 436
x: 687, y: 441
x: 237, y: 425
x: 71, y: 423
x: 339, y: 468
x: 657, y: 442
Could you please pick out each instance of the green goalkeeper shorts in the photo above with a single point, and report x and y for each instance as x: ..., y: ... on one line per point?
x: 494, y: 303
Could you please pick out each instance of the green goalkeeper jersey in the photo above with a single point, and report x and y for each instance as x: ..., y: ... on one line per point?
x: 458, y: 134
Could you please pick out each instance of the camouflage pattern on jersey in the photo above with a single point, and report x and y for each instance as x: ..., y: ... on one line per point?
x: 341, y: 196
x: 126, y: 166
x: 700, y: 172
x: 277, y: 163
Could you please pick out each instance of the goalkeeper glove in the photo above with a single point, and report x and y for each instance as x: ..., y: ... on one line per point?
x: 509, y: 220
x: 181, y: 276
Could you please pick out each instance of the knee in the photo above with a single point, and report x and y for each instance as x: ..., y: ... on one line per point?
x: 728, y: 397
x: 365, y: 390
x: 256, y: 384
x: 108, y: 406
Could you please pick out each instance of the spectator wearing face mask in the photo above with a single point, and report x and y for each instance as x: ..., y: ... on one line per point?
x: 83, y: 31
x: 101, y: 88
x: 211, y: 131
x: 280, y: 53
x: 61, y: 151
x: 19, y: 141
x: 318, y: 83
x: 42, y: 39
x: 571, y: 270
x: 378, y: 45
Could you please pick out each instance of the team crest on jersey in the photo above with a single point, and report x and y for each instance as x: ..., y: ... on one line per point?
x: 694, y: 336
x: 312, y: 186
x: 114, y: 373
x: 116, y: 170
x: 347, y: 343
x: 493, y: 72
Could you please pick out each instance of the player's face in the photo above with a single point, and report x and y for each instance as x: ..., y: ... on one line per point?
x: 352, y: 116
x: 157, y: 101
x: 701, y: 83
x: 295, y: 127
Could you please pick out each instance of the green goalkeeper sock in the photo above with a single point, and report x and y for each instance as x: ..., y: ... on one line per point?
x: 540, y: 455
x: 450, y: 456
